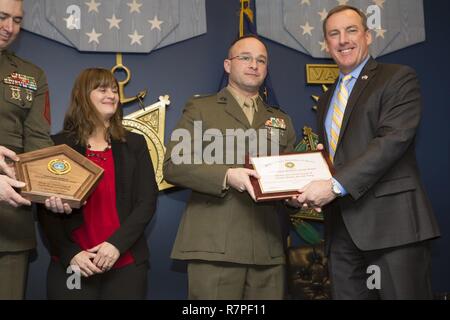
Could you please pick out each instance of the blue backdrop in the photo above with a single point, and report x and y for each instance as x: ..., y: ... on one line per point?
x: 196, y: 66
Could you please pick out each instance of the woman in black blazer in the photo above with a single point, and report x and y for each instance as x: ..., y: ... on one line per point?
x: 104, y: 241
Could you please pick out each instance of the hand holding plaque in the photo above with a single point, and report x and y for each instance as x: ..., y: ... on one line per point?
x: 57, y: 171
x: 282, y: 176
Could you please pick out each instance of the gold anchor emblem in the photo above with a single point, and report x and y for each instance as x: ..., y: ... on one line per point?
x: 149, y: 121
x: 120, y: 66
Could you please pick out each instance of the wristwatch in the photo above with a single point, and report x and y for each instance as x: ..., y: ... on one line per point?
x: 335, y: 188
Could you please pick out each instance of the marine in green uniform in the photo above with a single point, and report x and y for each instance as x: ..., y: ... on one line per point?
x: 233, y: 245
x: 25, y: 126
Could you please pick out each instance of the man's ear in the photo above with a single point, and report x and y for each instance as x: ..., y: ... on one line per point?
x: 369, y: 37
x: 327, y: 48
x: 227, y: 65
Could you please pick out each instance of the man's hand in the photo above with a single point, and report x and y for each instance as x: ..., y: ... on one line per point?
x: 296, y: 203
x: 239, y: 179
x: 83, y: 260
x: 293, y: 202
x: 316, y: 194
x: 56, y: 205
x: 9, y: 195
x: 105, y: 255
x: 6, y: 168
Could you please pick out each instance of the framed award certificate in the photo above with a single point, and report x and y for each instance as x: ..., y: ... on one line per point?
x: 282, y: 176
x: 57, y: 171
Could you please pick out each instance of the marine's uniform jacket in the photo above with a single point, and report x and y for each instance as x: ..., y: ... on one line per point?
x: 223, y: 224
x: 25, y: 126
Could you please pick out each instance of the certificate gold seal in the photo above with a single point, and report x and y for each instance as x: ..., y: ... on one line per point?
x: 289, y: 165
x: 58, y: 166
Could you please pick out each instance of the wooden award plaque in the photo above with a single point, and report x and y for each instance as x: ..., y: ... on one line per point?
x: 57, y: 171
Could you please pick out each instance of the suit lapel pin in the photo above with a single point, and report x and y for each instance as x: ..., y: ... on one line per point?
x: 365, y: 77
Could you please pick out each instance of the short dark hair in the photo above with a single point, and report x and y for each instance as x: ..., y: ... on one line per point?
x: 343, y: 8
x: 248, y: 36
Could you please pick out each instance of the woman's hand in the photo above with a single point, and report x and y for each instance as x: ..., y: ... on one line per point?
x: 56, y: 205
x: 83, y: 260
x: 106, y: 255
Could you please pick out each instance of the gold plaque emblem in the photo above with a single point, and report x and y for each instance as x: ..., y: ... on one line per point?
x: 321, y: 73
x: 289, y: 165
x: 150, y: 122
x: 58, y: 166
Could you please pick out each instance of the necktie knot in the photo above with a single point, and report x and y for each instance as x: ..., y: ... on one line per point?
x: 248, y: 103
x: 346, y: 79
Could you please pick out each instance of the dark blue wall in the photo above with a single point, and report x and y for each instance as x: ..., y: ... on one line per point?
x: 195, y: 66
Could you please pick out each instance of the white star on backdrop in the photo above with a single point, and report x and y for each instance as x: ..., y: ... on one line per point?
x: 380, y: 32
x: 93, y: 36
x: 323, y: 45
x: 307, y: 29
x: 135, y: 38
x: 114, y: 22
x: 134, y: 6
x: 156, y: 24
x: 323, y: 14
x: 93, y: 6
x: 71, y: 22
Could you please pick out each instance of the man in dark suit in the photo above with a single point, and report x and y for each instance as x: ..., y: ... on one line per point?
x: 25, y: 119
x: 234, y: 246
x: 377, y: 215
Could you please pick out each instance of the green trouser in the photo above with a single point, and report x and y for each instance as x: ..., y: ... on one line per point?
x: 230, y: 281
x: 13, y: 274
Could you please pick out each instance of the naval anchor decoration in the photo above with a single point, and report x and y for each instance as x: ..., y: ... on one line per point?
x: 149, y: 121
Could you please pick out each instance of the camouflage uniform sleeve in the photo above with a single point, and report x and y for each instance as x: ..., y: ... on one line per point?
x: 37, y: 123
